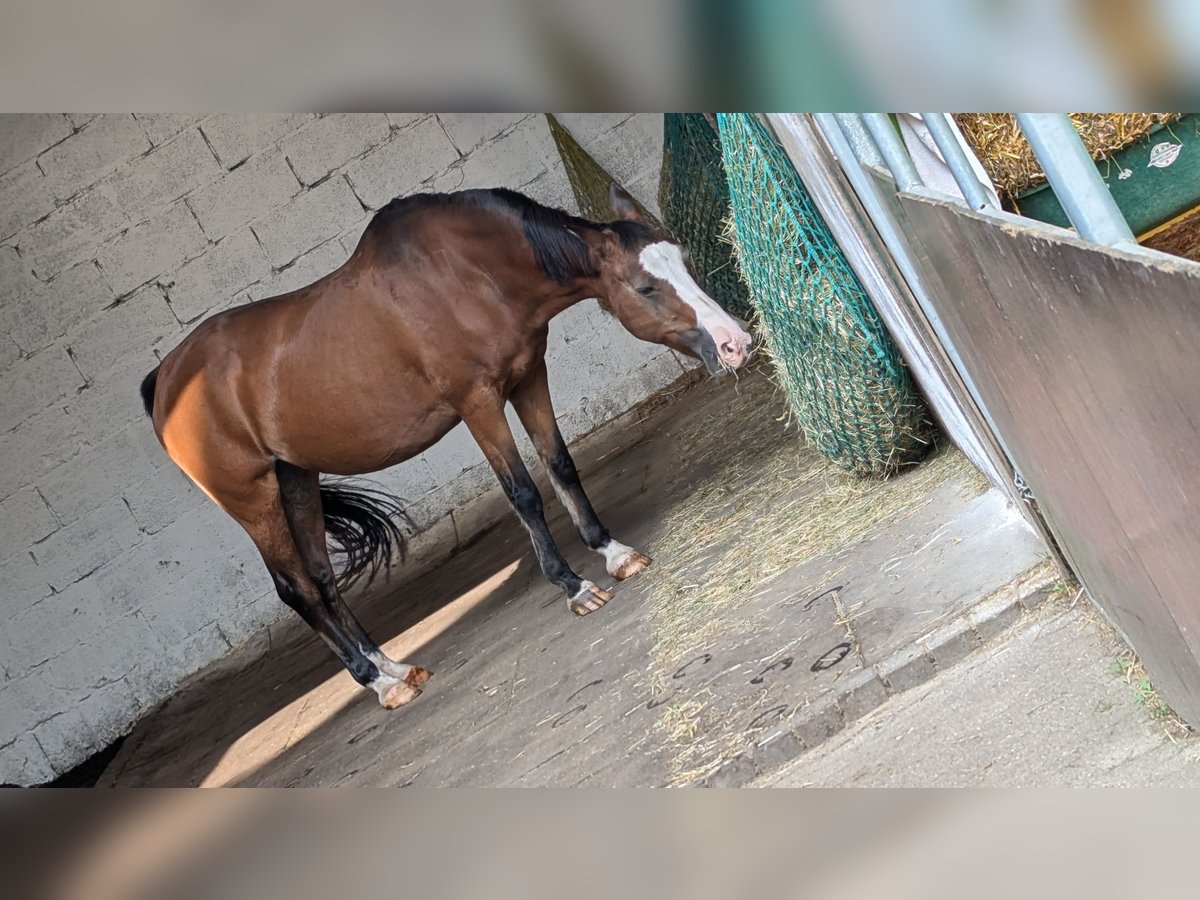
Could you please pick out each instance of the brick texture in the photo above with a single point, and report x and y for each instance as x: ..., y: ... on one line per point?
x: 257, y: 186
x: 36, y: 313
x: 70, y: 233
x: 166, y: 174
x: 24, y: 137
x: 331, y: 141
x: 103, y: 145
x: 157, y: 245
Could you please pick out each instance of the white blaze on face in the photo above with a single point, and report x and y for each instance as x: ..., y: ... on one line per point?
x: 665, y: 260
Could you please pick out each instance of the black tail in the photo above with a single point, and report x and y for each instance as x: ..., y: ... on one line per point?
x: 363, y: 524
x: 148, y: 385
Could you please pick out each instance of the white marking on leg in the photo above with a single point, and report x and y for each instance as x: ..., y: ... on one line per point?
x: 615, y: 554
x: 585, y: 591
x: 385, y: 664
x: 388, y: 666
x: 384, y: 683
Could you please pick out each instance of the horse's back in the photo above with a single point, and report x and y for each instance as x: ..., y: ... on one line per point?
x: 368, y: 365
x: 315, y: 377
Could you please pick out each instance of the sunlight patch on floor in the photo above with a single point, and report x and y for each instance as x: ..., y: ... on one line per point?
x: 307, y: 713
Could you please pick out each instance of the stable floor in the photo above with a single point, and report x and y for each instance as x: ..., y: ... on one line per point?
x: 776, y: 583
x: 1058, y: 702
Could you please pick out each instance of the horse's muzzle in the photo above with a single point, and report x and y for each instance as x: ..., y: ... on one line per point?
x: 699, y: 343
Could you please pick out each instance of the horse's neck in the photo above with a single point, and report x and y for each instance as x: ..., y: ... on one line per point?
x: 553, y: 304
x: 554, y: 298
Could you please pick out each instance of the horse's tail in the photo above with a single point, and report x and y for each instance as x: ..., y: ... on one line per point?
x: 148, y: 385
x: 364, y: 526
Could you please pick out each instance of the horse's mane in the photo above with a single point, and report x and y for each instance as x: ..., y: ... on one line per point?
x: 554, y: 235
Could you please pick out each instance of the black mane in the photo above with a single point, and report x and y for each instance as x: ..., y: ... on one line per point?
x: 554, y: 235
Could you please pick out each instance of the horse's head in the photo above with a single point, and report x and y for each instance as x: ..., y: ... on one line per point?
x: 648, y: 287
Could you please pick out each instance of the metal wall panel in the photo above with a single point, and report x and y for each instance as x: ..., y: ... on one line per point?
x: 1088, y: 361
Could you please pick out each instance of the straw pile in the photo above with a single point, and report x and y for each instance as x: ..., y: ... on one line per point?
x: 1007, y: 157
x: 847, y: 384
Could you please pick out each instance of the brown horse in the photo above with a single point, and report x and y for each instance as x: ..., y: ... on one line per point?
x: 439, y: 316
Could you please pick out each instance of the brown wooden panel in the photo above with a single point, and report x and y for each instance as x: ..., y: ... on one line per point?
x: 1088, y: 360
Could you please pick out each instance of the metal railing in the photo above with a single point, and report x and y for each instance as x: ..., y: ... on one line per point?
x: 1061, y: 154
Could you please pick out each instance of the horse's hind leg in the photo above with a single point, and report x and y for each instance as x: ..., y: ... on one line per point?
x: 256, y: 503
x: 300, y: 490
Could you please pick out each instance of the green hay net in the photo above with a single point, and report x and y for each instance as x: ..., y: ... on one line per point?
x: 844, y: 378
x: 694, y: 197
x: 589, y: 180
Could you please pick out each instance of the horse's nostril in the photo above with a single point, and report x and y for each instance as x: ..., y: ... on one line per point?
x: 729, y: 348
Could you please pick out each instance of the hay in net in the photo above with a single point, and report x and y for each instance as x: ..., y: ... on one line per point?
x: 1008, y: 159
x: 846, y: 382
x: 694, y: 197
x: 589, y: 180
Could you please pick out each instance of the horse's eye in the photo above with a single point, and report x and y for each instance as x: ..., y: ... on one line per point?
x: 646, y: 291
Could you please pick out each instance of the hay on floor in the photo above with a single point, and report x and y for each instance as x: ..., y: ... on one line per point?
x: 764, y: 506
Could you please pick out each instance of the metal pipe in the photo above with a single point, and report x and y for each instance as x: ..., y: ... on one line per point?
x: 860, y: 139
x: 956, y: 158
x: 895, y: 154
x: 1077, y: 184
x: 897, y: 245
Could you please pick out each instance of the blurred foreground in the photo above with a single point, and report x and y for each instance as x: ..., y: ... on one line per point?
x: 681, y: 54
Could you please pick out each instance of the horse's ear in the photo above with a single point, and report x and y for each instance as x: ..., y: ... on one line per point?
x: 623, y: 205
x: 609, y: 244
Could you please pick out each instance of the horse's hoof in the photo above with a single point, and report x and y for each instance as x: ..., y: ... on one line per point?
x: 398, y: 694
x: 589, y: 599
x: 417, y: 676
x: 402, y: 690
x: 630, y: 565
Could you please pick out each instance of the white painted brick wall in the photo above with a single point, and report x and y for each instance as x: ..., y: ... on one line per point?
x: 258, y: 185
x: 117, y: 234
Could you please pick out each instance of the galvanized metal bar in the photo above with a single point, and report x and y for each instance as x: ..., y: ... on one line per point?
x: 856, y: 133
x: 956, y: 159
x: 893, y: 239
x: 1073, y: 176
x: 895, y: 154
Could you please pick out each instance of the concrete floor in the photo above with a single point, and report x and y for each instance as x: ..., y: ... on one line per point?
x: 1045, y: 707
x: 744, y: 620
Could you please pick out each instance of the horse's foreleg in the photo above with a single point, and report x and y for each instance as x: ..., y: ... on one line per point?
x: 532, y: 403
x: 485, y: 418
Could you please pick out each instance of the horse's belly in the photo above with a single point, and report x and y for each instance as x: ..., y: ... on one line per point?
x: 356, y: 438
